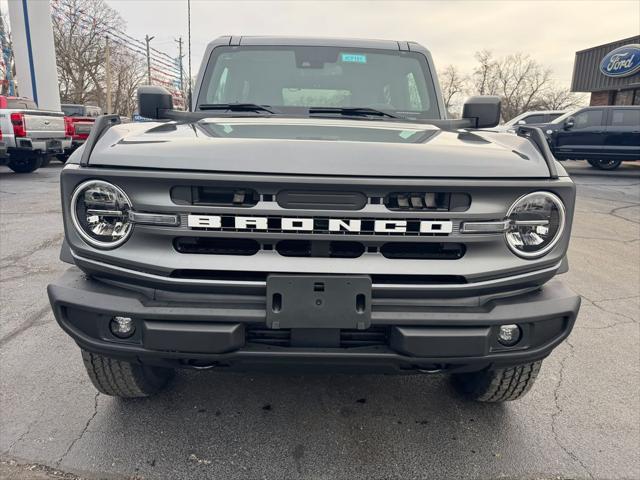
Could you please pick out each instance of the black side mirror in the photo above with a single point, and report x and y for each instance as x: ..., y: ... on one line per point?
x: 569, y: 123
x: 483, y: 111
x: 154, y: 101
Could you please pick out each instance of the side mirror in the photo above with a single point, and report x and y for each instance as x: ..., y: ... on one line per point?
x: 483, y: 111
x: 569, y: 123
x: 154, y: 101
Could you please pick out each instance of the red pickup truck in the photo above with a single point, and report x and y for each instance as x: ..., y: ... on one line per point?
x: 78, y: 122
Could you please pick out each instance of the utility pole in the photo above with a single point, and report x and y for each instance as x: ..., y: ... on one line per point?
x: 180, y: 57
x: 189, y: 30
x: 107, y: 59
x: 148, y: 39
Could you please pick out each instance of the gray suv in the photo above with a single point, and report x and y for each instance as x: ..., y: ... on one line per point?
x: 315, y: 211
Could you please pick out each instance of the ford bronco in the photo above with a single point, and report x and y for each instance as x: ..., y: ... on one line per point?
x: 316, y: 210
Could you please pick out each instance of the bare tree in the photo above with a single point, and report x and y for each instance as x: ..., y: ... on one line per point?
x: 555, y: 98
x: 80, y: 29
x: 453, y: 85
x: 520, y: 81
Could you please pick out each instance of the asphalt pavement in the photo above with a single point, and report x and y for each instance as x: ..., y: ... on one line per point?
x: 580, y: 421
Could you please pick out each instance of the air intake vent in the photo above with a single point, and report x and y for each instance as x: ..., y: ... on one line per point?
x: 423, y: 251
x: 321, y: 200
x: 303, y: 248
x: 216, y: 246
x: 428, y: 201
x: 216, y: 196
x: 374, y: 336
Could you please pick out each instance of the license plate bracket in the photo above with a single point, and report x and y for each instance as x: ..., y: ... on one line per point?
x: 319, y: 301
x: 54, y: 146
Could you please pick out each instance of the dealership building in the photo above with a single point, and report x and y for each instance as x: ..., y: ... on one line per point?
x: 611, y: 72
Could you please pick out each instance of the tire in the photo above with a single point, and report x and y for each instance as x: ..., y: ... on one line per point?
x: 45, y: 161
x: 605, y: 164
x: 118, y: 378
x: 501, y: 385
x: 63, y: 157
x: 25, y: 164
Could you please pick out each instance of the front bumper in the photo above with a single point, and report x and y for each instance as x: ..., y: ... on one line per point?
x: 183, y: 329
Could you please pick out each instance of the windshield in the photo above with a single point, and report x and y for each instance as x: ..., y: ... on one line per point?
x: 73, y: 110
x: 294, y: 79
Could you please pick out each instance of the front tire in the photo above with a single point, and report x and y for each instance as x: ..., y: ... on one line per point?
x: 605, y: 164
x: 499, y: 385
x: 25, y: 164
x: 118, y: 378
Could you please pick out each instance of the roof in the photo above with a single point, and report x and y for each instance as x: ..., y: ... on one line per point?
x: 318, y: 42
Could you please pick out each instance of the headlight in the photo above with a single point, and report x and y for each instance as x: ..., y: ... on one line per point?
x: 100, y: 213
x: 537, y: 223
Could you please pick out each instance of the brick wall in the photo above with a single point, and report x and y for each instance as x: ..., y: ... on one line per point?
x: 600, y: 98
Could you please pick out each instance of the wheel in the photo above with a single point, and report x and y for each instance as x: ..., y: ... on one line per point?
x: 123, y: 379
x: 63, y: 157
x: 25, y: 164
x: 46, y: 160
x: 605, y: 164
x: 499, y: 385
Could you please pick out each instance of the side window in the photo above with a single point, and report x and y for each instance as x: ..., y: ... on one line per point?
x: 626, y: 117
x: 588, y: 118
x: 534, y: 119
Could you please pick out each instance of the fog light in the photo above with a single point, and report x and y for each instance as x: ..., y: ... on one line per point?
x: 122, y: 327
x: 509, y: 335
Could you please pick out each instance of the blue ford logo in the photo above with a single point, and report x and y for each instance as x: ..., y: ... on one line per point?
x: 621, y: 62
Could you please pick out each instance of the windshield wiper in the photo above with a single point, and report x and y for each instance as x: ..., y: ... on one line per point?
x: 236, y: 107
x: 353, y: 111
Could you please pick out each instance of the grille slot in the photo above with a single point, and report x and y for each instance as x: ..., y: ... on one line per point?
x: 428, y: 201
x: 305, y: 248
x: 423, y: 251
x: 216, y: 246
x: 214, y: 196
x: 374, y: 336
x: 321, y: 200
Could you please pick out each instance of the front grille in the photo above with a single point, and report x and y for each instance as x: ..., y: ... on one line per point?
x: 374, y: 336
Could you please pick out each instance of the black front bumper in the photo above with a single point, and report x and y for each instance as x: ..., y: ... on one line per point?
x: 182, y: 330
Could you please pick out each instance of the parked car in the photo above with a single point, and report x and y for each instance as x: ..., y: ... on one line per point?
x: 31, y: 135
x: 604, y: 136
x: 528, y: 118
x: 78, y: 122
x: 262, y: 230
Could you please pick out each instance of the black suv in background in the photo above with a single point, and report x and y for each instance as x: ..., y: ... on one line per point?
x: 604, y: 136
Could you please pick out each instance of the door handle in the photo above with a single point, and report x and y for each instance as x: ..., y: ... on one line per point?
x: 598, y: 131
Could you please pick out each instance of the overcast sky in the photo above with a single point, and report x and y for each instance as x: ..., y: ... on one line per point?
x: 551, y: 31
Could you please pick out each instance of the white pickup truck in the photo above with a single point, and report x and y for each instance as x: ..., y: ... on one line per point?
x: 31, y: 136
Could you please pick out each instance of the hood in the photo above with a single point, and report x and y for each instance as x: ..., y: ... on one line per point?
x: 318, y: 146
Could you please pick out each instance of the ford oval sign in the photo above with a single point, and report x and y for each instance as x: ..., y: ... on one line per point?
x: 621, y: 62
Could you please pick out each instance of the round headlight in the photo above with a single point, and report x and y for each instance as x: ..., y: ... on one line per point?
x: 537, y: 222
x: 100, y: 213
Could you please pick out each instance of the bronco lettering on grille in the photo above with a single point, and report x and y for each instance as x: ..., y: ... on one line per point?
x: 319, y: 225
